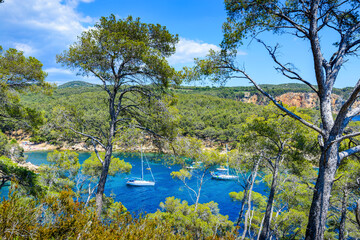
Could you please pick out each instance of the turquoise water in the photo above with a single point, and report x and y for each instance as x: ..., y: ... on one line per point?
x: 147, y: 199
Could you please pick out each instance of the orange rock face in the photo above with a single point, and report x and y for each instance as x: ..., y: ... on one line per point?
x: 302, y: 100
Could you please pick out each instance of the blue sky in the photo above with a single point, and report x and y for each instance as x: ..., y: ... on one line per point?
x: 44, y: 28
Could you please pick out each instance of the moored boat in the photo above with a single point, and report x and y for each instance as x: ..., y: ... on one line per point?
x: 140, y: 182
x: 220, y: 175
x: 223, y: 173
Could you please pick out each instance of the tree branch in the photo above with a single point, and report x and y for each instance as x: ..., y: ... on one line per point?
x: 349, y: 152
x: 279, y: 105
x: 341, y: 117
x: 299, y: 27
x: 150, y: 131
x: 102, y: 79
x: 345, y: 137
x: 285, y: 69
x: 127, y: 90
x: 96, y: 152
x: 89, y: 136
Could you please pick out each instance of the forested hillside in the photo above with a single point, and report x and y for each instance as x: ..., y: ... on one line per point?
x: 205, y: 113
x: 292, y: 94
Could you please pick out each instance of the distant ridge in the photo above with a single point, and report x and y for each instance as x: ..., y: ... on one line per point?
x: 76, y: 84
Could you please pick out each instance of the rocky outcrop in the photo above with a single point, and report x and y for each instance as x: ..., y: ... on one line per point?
x: 293, y: 99
x: 29, y: 166
x: 303, y: 100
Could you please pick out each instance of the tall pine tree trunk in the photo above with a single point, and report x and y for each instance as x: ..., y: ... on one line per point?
x: 321, y: 198
x: 243, y: 201
x: 249, y: 185
x: 107, y: 160
x: 357, y: 212
x: 102, y: 180
x: 254, y: 174
x: 265, y: 232
x: 343, y: 216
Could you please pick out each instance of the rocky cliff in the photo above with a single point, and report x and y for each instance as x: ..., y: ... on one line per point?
x: 302, y: 100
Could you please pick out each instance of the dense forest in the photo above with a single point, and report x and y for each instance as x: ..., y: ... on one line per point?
x: 306, y: 160
x: 202, y: 112
x: 237, y: 93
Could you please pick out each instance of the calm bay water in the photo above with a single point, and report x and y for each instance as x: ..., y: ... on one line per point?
x: 147, y: 199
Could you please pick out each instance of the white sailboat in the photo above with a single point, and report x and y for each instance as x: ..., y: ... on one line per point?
x: 139, y: 182
x: 194, y: 166
x: 223, y: 173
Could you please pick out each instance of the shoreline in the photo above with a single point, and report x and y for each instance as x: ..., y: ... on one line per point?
x: 33, y: 147
x: 78, y: 147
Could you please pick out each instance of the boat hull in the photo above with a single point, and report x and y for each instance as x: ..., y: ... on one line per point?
x: 224, y: 177
x: 140, y: 183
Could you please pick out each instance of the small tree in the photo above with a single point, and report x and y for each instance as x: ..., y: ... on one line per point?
x: 345, y: 192
x: 91, y: 172
x: 18, y: 74
x: 129, y: 58
x: 201, y: 221
x: 282, y: 141
x: 190, y: 148
x: 61, y: 171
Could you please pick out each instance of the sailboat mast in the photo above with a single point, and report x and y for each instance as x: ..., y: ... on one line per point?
x: 142, y: 165
x: 227, y: 160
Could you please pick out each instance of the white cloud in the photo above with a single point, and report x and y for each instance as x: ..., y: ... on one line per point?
x: 241, y: 53
x: 187, y: 50
x: 42, y: 29
x: 53, y: 16
x: 58, y: 71
x: 27, y: 49
x: 87, y: 1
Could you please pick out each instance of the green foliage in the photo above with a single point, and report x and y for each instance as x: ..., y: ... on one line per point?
x: 190, y: 151
x: 11, y: 149
x: 212, y: 118
x: 286, y: 148
x: 194, y: 114
x: 182, y: 174
x: 60, y: 217
x: 292, y: 202
x: 11, y: 171
x: 61, y: 171
x: 295, y: 196
x: 129, y: 58
x: 115, y: 209
x: 202, y: 223
x: 65, y: 160
x: 200, y: 163
x: 242, y: 92
x: 141, y: 47
x: 344, y: 194
x: 20, y: 214
x: 292, y: 224
x: 270, y: 130
x: 258, y: 200
x: 76, y: 84
x: 92, y: 166
x: 18, y: 74
x: 3, y: 143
